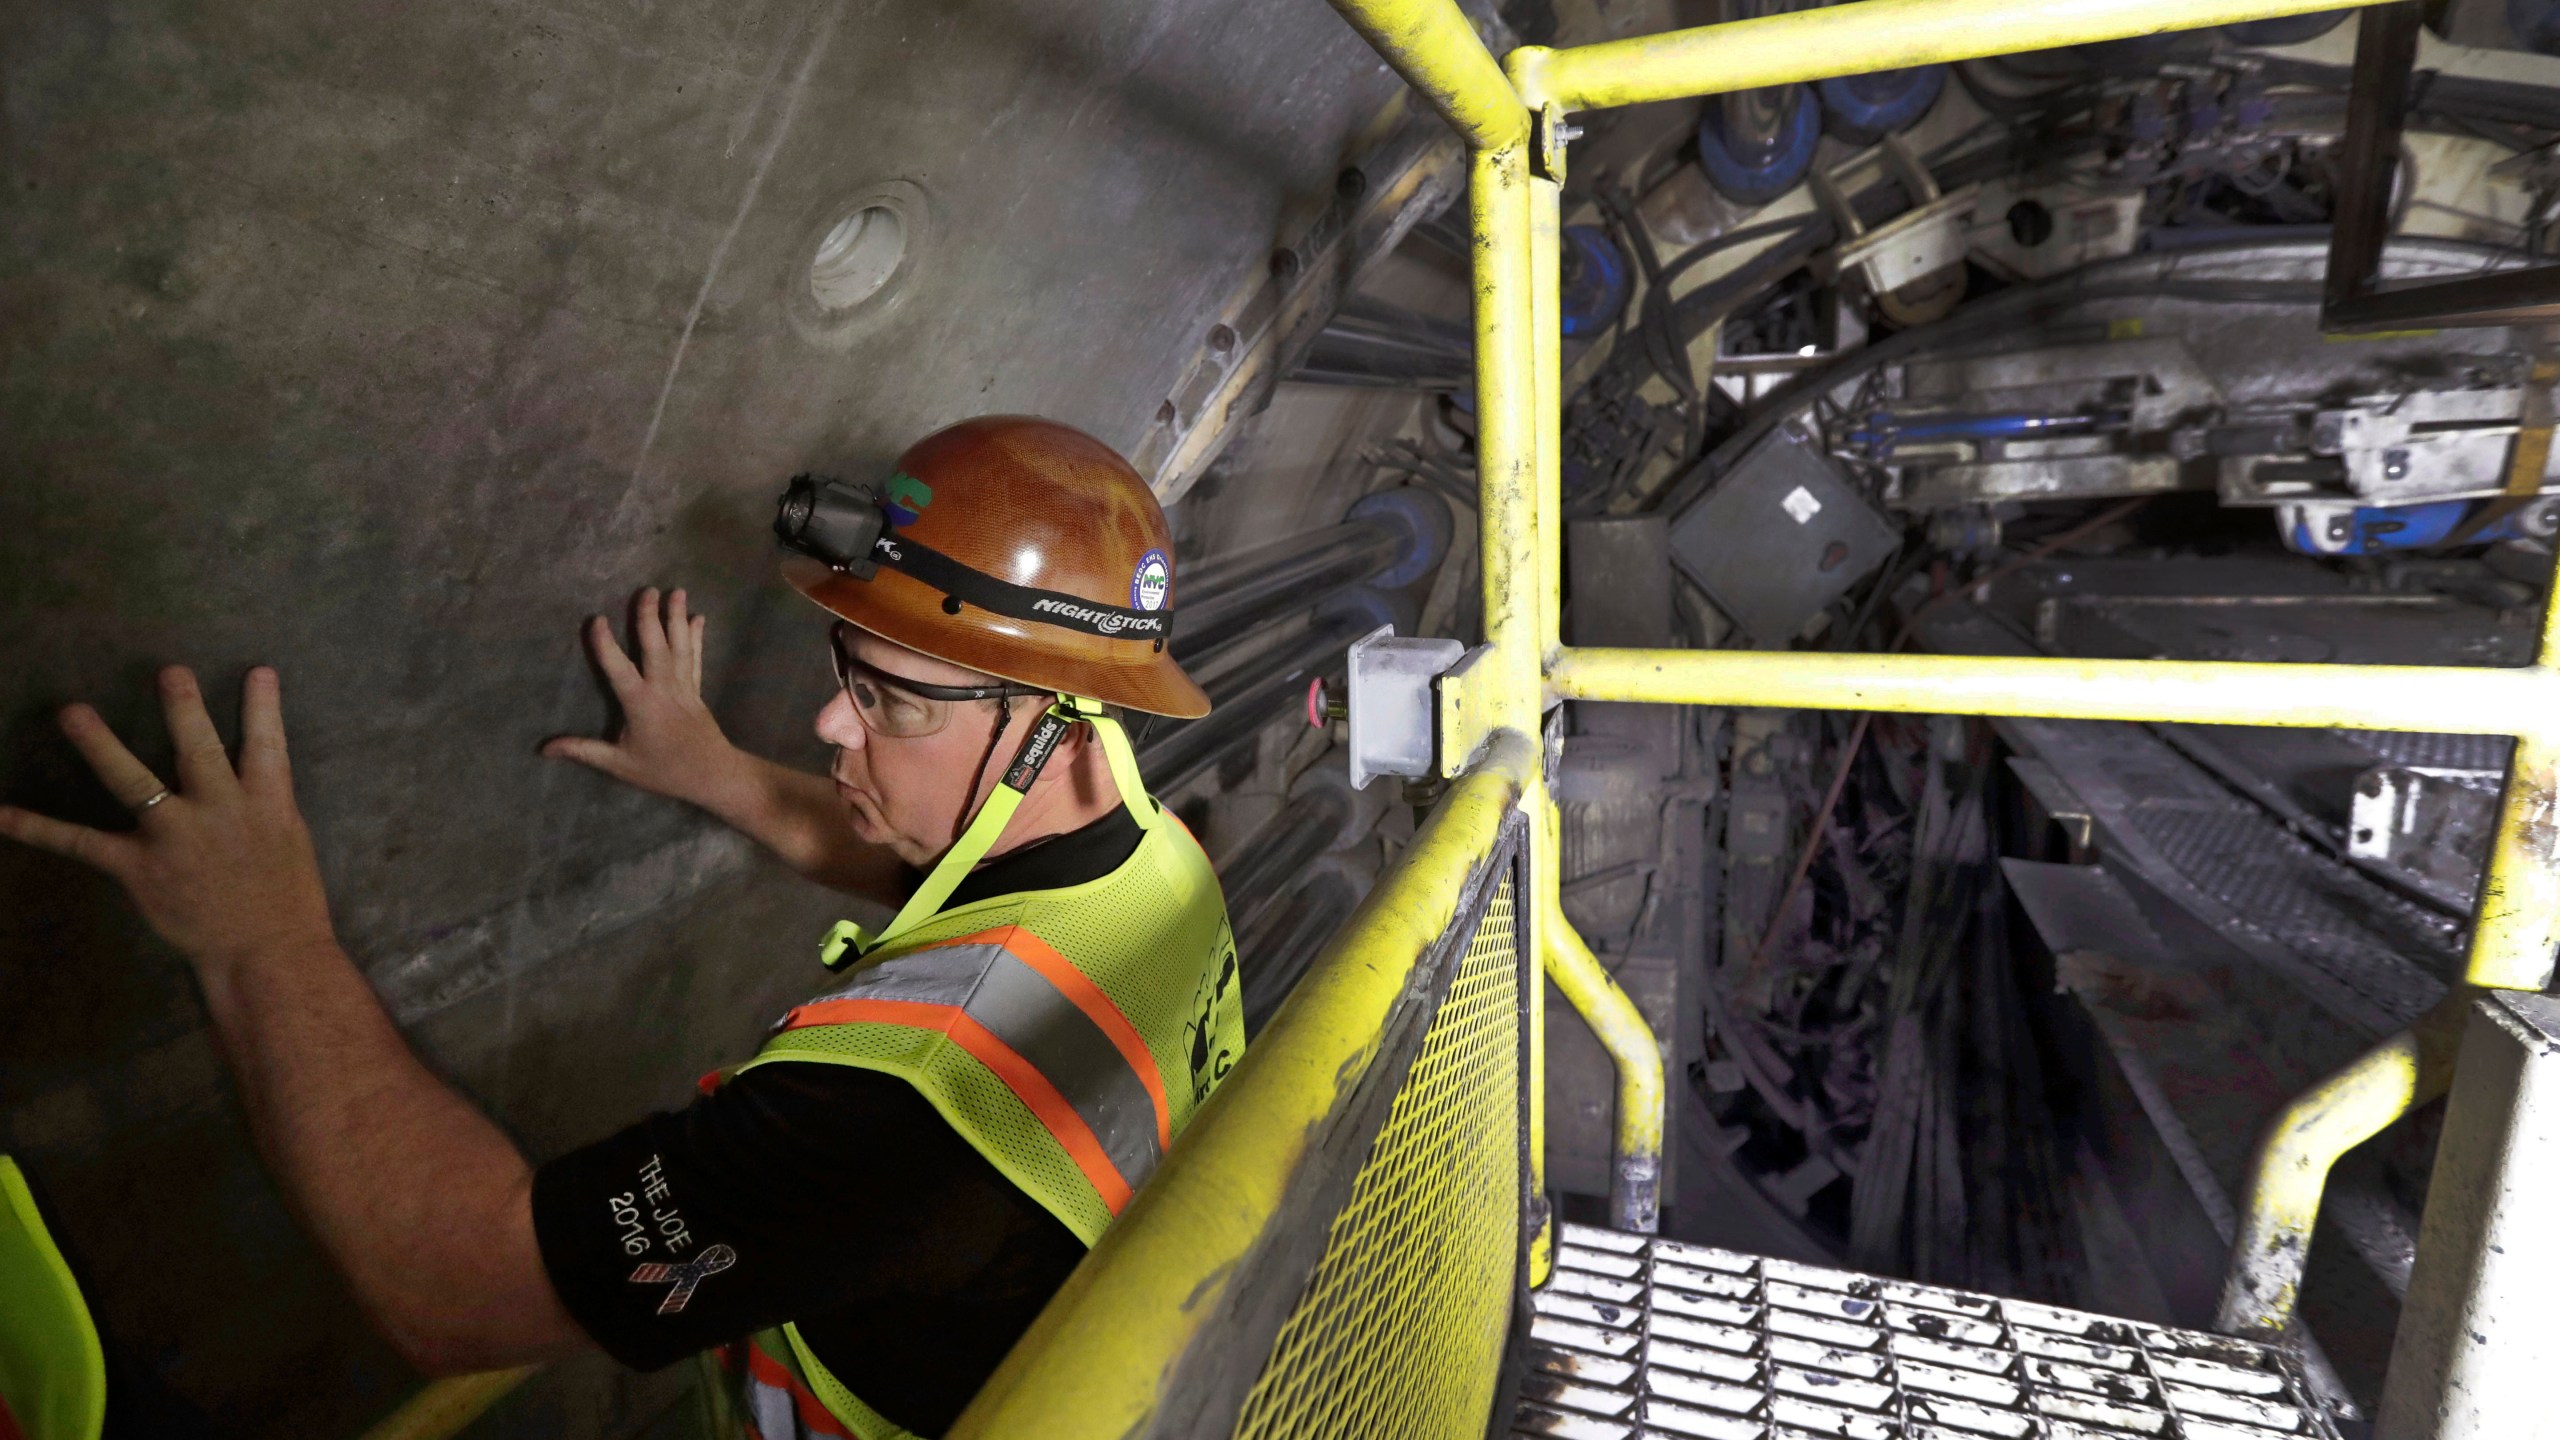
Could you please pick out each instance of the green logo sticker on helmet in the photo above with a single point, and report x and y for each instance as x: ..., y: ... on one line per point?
x: 1152, y: 581
x: 907, y: 497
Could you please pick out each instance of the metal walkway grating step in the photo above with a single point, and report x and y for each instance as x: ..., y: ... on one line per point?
x: 1637, y: 1338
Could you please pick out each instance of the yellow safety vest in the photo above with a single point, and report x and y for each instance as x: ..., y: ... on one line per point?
x: 1068, y: 1035
x: 53, y: 1376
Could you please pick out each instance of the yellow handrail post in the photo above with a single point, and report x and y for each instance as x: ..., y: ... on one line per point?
x: 2343, y: 1111
x: 1635, y: 1180
x: 1506, y: 439
x: 2517, y: 929
x: 1545, y: 218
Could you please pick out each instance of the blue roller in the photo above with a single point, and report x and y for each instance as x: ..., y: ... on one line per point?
x: 2373, y: 529
x: 1863, y: 109
x: 1596, y: 282
x: 1754, y: 169
x: 2535, y: 24
x: 1424, y: 519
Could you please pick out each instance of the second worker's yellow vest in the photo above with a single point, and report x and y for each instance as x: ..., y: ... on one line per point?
x: 53, y: 1376
x: 1068, y: 1035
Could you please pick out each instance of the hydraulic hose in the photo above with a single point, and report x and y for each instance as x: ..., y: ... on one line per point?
x: 1275, y: 857
x: 1274, y: 952
x: 1242, y: 702
x: 1238, y: 592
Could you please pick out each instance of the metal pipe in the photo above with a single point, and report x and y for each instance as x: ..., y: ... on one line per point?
x: 2333, y: 1117
x: 1238, y: 592
x: 1241, y: 702
x: 1095, y: 1364
x: 1431, y: 45
x: 1285, y: 945
x: 1275, y: 856
x: 1858, y: 39
x: 1370, y: 342
x: 1635, y: 1168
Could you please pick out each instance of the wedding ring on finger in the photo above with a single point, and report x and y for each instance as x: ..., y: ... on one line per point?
x: 156, y: 797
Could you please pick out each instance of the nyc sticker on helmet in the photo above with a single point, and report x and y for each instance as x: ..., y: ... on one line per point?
x: 1151, y: 582
x: 907, y: 498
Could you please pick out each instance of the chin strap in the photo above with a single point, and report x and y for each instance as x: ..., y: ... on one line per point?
x: 847, y: 942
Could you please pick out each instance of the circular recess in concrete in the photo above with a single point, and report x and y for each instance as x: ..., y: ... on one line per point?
x: 856, y: 259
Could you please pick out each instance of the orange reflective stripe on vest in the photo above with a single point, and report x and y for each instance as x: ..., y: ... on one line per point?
x: 1041, y: 1027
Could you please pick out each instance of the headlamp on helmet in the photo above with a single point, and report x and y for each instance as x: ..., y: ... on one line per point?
x: 832, y: 520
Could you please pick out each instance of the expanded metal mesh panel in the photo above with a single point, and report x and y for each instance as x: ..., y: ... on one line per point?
x: 1399, y: 1330
x: 1637, y: 1337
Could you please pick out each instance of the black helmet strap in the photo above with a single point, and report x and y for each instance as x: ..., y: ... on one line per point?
x: 845, y: 526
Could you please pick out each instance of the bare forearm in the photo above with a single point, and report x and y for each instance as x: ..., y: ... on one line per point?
x: 800, y: 818
x: 419, y: 1200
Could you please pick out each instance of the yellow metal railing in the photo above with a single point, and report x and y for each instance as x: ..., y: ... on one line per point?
x: 1099, y: 1357
x: 1853, y: 40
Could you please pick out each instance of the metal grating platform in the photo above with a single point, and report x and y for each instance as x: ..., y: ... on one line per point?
x: 1638, y: 1338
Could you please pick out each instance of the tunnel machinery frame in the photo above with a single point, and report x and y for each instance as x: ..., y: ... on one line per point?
x: 1137, y: 1322
x: 1514, y: 114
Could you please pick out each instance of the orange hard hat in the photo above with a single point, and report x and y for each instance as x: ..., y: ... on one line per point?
x: 1009, y: 544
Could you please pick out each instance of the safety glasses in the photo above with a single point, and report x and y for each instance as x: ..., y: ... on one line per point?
x: 897, y: 707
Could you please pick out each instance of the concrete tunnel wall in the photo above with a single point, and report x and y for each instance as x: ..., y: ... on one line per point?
x: 383, y: 343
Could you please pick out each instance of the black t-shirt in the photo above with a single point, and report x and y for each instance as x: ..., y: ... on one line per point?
x: 833, y: 1197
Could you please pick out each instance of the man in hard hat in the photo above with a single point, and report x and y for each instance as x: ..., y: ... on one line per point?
x: 865, y: 1215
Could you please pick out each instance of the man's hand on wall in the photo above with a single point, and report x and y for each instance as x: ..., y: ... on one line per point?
x: 668, y: 744
x: 422, y: 1203
x: 221, y: 864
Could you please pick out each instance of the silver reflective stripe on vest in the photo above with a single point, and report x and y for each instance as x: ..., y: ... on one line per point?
x: 941, y: 976
x: 1019, y: 1006
x: 775, y: 1417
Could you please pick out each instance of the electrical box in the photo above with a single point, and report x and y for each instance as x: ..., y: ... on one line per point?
x: 1780, y: 538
